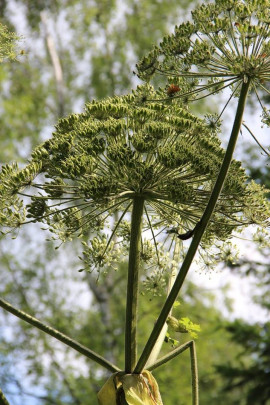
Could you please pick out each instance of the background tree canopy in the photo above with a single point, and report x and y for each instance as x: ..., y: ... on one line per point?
x: 72, y: 52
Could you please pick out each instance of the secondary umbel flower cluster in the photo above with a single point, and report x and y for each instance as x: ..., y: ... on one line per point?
x: 226, y: 44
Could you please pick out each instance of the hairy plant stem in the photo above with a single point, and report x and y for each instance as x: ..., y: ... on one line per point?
x: 132, y: 285
x: 59, y: 336
x: 173, y: 273
x: 199, y: 231
x: 3, y: 400
x: 169, y: 356
x: 194, y: 374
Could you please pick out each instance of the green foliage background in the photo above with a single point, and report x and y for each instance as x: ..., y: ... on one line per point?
x: 98, y: 45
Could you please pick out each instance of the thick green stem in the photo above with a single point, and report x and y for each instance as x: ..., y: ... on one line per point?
x: 157, y: 348
x: 3, y: 400
x: 59, y: 336
x: 194, y: 374
x: 193, y: 362
x: 169, y: 356
x: 132, y: 285
x: 198, y: 232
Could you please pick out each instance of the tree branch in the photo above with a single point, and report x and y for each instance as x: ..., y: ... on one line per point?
x: 58, y: 72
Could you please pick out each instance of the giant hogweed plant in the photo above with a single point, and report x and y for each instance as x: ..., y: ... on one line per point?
x: 154, y: 165
x: 145, y: 160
